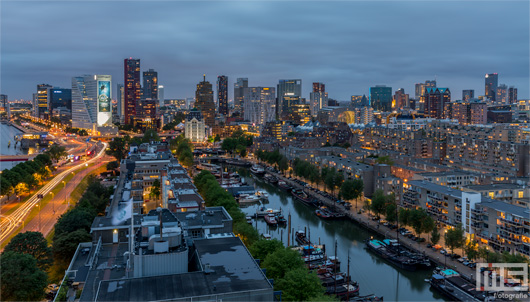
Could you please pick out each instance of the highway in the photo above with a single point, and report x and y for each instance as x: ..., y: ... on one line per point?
x: 10, y: 222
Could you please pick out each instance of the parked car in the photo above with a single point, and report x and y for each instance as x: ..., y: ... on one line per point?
x: 462, y: 260
x: 455, y: 256
x: 420, y: 239
x: 443, y: 251
x: 429, y: 245
x: 472, y: 265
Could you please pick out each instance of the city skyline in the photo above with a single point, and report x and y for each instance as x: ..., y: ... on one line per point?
x: 362, y: 44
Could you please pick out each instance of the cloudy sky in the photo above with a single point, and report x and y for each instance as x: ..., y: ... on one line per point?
x: 348, y: 45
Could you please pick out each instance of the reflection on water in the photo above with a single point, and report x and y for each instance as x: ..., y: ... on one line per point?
x: 374, y: 275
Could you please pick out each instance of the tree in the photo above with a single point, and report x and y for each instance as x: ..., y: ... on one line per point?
x: 262, y: 248
x: 113, y: 165
x: 65, y: 245
x: 150, y: 136
x: 471, y: 250
x: 299, y: 285
x: 391, y: 213
x: 435, y: 236
x: 404, y: 216
x: 428, y: 224
x: 75, y: 219
x: 282, y: 261
x: 384, y: 160
x: 379, y: 202
x: 155, y: 191
x: 34, y: 244
x: 117, y: 148
x: 56, y: 152
x: 454, y: 238
x: 283, y: 164
x: 30, y: 181
x: 21, y: 188
x: 22, y: 280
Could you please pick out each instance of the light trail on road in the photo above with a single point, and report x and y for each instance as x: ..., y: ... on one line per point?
x: 12, y: 221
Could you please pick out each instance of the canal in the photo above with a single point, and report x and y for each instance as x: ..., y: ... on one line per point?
x: 7, y: 134
x: 375, y: 276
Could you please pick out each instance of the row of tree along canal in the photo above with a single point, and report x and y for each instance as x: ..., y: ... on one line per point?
x: 374, y: 275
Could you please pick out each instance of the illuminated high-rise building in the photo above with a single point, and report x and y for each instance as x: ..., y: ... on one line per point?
x: 435, y: 100
x: 150, y: 88
x: 512, y: 95
x: 401, y: 100
x: 161, y: 96
x: 491, y: 82
x: 318, y: 98
x: 121, y: 102
x: 132, y: 88
x: 381, y: 98
x: 260, y: 105
x: 42, y: 100
x: 204, y: 102
x: 222, y: 94
x: 287, y: 88
x: 420, y: 88
x: 240, y: 87
x: 91, y: 101
x: 502, y: 95
x: 468, y: 94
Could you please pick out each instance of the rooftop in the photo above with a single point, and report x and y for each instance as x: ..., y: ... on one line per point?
x: 231, y: 269
x: 436, y: 188
x: 492, y: 187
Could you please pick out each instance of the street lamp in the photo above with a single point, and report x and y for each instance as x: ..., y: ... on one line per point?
x: 53, y: 205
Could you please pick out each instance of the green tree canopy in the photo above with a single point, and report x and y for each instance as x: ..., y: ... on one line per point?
x: 75, y: 219
x: 65, y: 245
x: 454, y: 238
x: 386, y: 160
x: 22, y: 280
x: 118, y: 148
x: 282, y: 261
x: 299, y: 285
x: 262, y: 248
x: 435, y: 236
x: 34, y: 244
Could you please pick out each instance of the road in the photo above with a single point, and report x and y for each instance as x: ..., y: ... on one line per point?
x: 57, y: 206
x: 11, y: 222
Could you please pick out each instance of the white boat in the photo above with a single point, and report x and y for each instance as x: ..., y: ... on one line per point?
x: 246, y: 198
x: 257, y: 169
x: 267, y: 236
x: 262, y: 194
x: 262, y: 211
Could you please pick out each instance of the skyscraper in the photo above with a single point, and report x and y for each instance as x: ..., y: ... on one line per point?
x: 381, y: 98
x: 161, y: 101
x: 260, y: 105
x: 512, y: 95
x: 4, y: 104
x: 401, y: 99
x: 121, y: 102
x: 59, y: 97
x: 222, y: 94
x: 42, y: 100
x: 150, y: 85
x: 91, y: 102
x: 420, y: 88
x: 239, y: 91
x: 502, y: 95
x: 132, y: 88
x: 468, y: 94
x: 287, y: 88
x: 435, y: 100
x: 204, y: 102
x: 359, y: 101
x: 491, y: 81
x: 318, y: 98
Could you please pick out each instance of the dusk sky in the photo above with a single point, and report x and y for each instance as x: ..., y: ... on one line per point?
x: 348, y: 45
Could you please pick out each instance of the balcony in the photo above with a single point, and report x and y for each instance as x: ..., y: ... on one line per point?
x: 523, y: 251
x: 511, y: 239
x: 516, y: 231
x: 511, y: 222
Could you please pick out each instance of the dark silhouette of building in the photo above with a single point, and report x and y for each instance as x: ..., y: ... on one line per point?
x: 468, y: 94
x: 239, y: 93
x: 222, y: 94
x: 132, y: 88
x: 204, y: 101
x: 435, y: 100
x: 491, y: 81
x: 150, y: 85
x: 381, y: 98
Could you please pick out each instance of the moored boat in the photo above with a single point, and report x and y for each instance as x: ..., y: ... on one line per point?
x: 257, y: 169
x: 300, y: 195
x: 270, y: 219
x: 399, y: 260
x: 248, y: 198
x: 284, y: 186
x: 265, y: 211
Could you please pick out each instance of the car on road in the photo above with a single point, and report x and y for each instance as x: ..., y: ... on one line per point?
x: 443, y: 251
x: 462, y: 260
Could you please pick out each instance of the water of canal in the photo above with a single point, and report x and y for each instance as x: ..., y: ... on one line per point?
x: 375, y: 275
